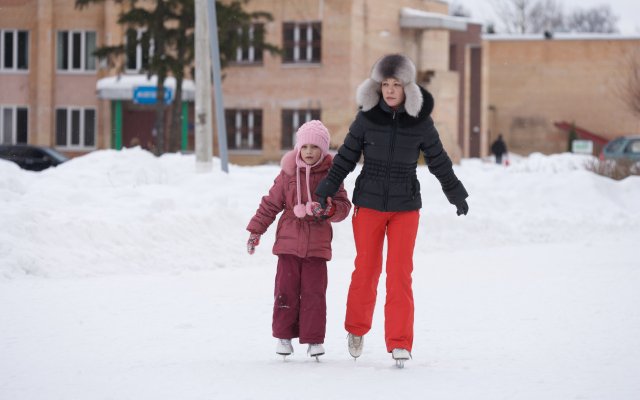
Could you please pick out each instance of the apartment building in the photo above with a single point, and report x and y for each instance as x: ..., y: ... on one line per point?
x: 55, y: 93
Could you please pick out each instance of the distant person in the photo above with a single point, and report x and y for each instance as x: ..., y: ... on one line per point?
x: 499, y: 148
x: 303, y: 240
x: 391, y: 130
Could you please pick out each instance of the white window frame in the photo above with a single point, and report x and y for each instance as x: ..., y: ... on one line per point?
x: 14, y: 122
x: 298, y: 117
x: 83, y: 51
x: 238, y: 130
x: 251, y: 131
x: 139, y: 66
x: 13, y: 68
x: 303, y: 55
x: 81, y: 146
x: 251, y: 58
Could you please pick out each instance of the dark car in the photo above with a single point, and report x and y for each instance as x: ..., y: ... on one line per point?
x: 33, y: 158
x: 622, y: 148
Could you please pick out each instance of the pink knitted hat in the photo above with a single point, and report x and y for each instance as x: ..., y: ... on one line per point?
x: 312, y: 132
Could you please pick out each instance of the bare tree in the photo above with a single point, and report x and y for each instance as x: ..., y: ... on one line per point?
x: 629, y: 84
x: 458, y: 10
x: 597, y: 19
x: 537, y: 16
x: 513, y: 14
x: 546, y: 16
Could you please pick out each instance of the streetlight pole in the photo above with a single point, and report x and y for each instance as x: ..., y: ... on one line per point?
x: 217, y: 86
x: 203, y: 134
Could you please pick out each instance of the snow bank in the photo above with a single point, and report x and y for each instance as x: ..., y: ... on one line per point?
x: 129, y: 212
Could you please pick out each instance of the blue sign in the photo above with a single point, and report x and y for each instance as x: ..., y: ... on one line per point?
x: 147, y: 95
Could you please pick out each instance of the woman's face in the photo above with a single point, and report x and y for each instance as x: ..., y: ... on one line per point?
x: 392, y: 92
x: 310, y: 154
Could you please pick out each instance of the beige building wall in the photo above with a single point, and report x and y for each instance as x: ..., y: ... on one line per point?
x: 43, y: 88
x: 354, y: 35
x: 535, y: 82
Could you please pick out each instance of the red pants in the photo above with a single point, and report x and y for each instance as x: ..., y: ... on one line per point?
x: 369, y: 229
x: 300, y: 304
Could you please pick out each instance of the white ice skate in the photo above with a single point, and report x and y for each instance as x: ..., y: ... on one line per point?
x: 355, y: 345
x: 316, y: 350
x: 400, y: 355
x: 284, y: 348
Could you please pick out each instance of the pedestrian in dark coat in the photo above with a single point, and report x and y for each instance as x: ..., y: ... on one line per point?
x: 303, y: 239
x: 498, y: 148
x: 392, y: 129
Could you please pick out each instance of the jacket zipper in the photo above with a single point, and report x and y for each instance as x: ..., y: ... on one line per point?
x: 391, y: 148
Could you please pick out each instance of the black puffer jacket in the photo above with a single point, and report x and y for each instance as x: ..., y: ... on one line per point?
x: 391, y: 143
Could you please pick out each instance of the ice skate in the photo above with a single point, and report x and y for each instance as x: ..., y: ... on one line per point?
x: 316, y: 350
x: 400, y: 355
x: 355, y: 345
x: 284, y: 348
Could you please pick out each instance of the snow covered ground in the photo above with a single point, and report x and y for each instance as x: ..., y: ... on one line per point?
x: 125, y: 276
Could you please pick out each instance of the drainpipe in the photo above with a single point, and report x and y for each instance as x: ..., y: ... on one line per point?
x: 185, y: 126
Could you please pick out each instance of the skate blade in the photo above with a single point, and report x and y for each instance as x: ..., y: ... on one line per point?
x: 400, y: 364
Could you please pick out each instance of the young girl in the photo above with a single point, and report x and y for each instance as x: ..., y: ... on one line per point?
x: 303, y: 240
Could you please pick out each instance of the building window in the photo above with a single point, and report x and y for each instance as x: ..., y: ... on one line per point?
x: 244, y: 129
x: 75, y: 51
x: 14, y: 125
x: 14, y: 50
x: 138, y: 49
x: 291, y: 121
x: 248, y: 52
x: 75, y: 127
x: 302, y: 42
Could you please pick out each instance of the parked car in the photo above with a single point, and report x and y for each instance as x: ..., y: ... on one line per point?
x: 622, y: 148
x: 33, y: 158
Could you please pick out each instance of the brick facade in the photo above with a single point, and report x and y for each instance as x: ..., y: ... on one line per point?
x: 534, y: 82
x: 354, y: 34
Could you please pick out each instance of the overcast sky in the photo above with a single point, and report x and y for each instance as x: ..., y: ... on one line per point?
x: 627, y: 11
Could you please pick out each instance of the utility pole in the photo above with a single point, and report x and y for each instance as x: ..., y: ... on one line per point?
x: 204, y: 131
x: 217, y: 86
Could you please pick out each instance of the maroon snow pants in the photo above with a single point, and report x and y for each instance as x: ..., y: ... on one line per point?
x: 300, y: 306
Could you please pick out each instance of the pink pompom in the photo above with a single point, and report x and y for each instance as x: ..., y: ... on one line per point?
x: 310, y: 206
x: 300, y: 210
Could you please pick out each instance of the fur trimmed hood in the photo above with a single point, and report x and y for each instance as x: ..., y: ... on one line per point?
x: 391, y: 66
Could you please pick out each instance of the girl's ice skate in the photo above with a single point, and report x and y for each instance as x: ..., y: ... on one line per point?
x: 355, y: 345
x: 284, y: 348
x: 400, y: 355
x: 316, y: 350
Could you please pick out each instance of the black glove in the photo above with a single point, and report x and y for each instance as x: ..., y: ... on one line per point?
x: 325, y: 189
x: 462, y: 208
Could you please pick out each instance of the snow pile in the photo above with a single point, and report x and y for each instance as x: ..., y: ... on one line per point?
x: 125, y: 212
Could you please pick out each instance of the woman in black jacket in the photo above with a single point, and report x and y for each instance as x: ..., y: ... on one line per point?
x: 393, y: 127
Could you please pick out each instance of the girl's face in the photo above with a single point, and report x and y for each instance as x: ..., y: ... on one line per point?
x: 310, y: 153
x: 392, y: 92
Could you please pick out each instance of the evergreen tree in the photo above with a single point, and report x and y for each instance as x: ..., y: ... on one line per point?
x: 168, y: 29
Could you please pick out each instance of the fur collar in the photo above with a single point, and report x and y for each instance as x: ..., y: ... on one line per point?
x: 380, y: 113
x: 368, y: 95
